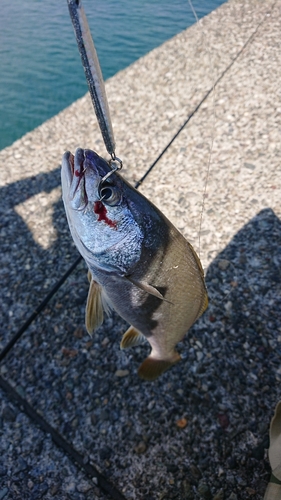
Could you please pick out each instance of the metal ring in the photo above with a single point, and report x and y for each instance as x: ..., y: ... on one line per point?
x: 114, y: 158
x: 114, y: 168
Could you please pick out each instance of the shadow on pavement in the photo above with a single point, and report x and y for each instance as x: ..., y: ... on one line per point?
x: 206, y: 418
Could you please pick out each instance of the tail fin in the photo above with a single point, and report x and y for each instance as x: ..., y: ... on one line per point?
x: 152, y: 368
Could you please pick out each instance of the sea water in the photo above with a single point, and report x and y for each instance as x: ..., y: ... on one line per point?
x: 40, y: 68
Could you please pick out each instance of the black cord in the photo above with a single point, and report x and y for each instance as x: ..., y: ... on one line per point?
x: 88, y: 468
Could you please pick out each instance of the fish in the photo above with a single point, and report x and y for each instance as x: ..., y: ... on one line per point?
x: 138, y: 263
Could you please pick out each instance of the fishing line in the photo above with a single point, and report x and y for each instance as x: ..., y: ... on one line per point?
x: 212, y: 127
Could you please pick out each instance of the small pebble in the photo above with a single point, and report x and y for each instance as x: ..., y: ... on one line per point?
x: 199, y: 355
x: 105, y: 342
x: 69, y: 485
x: 69, y: 353
x: 84, y: 486
x: 204, y: 490
x: 223, y: 264
x: 251, y: 491
x: 228, y: 306
x: 195, y: 471
x: 40, y: 490
x: 187, y: 492
x: 79, y: 332
x: 140, y: 448
x: 21, y: 465
x: 54, y: 489
x: 182, y: 423
x: 219, y: 495
x: 250, y: 166
x: 30, y: 484
x: 122, y: 373
x: 8, y: 414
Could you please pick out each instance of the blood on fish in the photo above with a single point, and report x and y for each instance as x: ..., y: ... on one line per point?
x: 77, y: 173
x: 100, y: 209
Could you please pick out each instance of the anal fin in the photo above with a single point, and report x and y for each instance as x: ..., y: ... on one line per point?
x: 131, y: 338
x: 94, y: 307
x: 151, y: 368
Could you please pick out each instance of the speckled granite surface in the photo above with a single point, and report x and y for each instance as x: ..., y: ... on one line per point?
x: 201, y: 430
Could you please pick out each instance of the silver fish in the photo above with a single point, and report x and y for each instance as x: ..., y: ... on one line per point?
x: 139, y: 263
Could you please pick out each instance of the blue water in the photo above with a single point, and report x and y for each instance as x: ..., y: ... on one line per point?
x: 40, y: 69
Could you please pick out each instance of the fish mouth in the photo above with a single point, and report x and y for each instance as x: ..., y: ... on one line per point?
x: 68, y: 166
x: 82, y: 160
x: 85, y: 163
x: 73, y: 173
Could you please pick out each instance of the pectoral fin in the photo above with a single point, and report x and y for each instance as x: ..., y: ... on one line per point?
x: 94, y: 307
x: 131, y: 338
x: 147, y: 288
x: 152, y: 368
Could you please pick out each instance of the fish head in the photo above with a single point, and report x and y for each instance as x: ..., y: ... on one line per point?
x: 101, y: 222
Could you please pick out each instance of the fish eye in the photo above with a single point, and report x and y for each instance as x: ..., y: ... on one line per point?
x: 109, y: 194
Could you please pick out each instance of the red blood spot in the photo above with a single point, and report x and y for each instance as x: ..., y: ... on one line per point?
x: 77, y: 173
x: 100, y: 209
